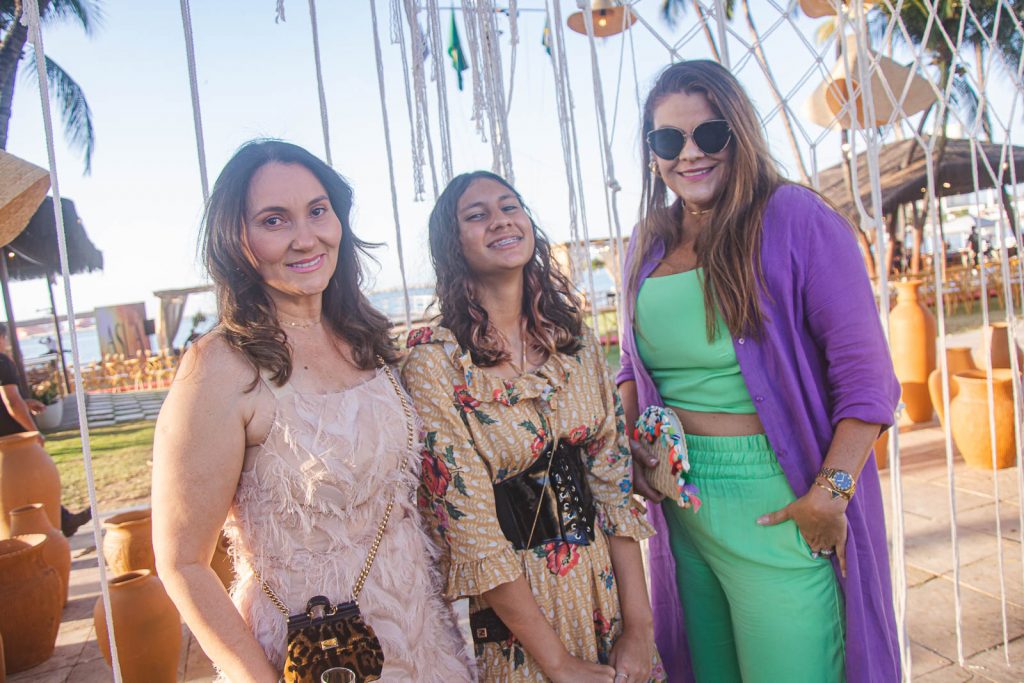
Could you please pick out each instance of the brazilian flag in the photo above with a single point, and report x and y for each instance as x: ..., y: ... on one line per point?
x: 455, y: 52
x: 545, y: 38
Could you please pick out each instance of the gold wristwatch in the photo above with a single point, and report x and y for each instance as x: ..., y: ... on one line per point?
x: 840, y: 482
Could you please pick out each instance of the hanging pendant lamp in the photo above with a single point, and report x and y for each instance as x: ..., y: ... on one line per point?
x: 23, y: 187
x: 609, y: 19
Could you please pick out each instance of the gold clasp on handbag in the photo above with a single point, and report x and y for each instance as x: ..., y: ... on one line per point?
x: 329, y: 644
x: 481, y: 633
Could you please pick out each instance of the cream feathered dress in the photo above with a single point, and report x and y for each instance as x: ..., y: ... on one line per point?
x: 305, y: 513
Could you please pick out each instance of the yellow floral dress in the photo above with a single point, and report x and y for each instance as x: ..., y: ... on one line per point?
x: 481, y: 429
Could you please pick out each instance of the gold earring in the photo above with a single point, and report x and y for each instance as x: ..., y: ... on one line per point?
x: 654, y: 169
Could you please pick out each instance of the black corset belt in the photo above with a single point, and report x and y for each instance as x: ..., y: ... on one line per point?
x: 566, y: 506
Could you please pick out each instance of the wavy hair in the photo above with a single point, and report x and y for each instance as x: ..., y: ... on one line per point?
x: 730, y: 251
x: 248, y: 318
x: 550, y: 306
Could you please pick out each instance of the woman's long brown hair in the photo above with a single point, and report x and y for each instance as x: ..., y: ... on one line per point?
x: 248, y: 317
x: 729, y: 250
x: 550, y: 306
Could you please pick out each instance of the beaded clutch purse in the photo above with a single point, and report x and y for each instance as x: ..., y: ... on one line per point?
x: 660, y: 428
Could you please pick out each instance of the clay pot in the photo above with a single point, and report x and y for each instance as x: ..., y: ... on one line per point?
x: 30, y: 593
x: 999, y: 346
x: 32, y: 519
x: 146, y: 626
x: 128, y: 542
x: 27, y: 475
x: 968, y: 411
x: 958, y: 358
x: 882, y: 450
x: 221, y: 561
x: 912, y: 335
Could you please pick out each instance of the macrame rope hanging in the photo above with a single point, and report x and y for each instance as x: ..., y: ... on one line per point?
x: 320, y: 83
x: 35, y: 36
x: 391, y: 165
x: 611, y: 184
x: 440, y: 80
x: 900, y: 585
x: 193, y: 82
x: 415, y: 131
x: 570, y: 142
x: 419, y: 85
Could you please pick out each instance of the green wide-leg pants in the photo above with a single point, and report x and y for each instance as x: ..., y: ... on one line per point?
x: 758, y: 607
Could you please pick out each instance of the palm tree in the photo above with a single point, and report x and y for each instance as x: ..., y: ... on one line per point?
x: 73, y: 107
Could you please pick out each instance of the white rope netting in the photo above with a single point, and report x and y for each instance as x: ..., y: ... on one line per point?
x: 847, y: 86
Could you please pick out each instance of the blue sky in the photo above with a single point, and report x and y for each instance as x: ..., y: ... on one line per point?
x: 142, y: 203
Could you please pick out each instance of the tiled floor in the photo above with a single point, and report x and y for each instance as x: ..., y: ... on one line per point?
x: 929, y: 562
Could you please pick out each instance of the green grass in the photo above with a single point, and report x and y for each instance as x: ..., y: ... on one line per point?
x: 121, y: 463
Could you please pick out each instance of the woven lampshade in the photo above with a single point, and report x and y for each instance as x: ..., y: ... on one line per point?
x: 23, y: 186
x: 828, y: 99
x: 609, y: 19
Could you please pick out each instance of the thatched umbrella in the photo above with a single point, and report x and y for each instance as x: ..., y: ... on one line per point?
x: 34, y: 254
x: 904, y: 182
x: 22, y: 187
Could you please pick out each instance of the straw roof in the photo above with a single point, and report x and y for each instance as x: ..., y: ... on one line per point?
x: 35, y: 249
x: 903, y: 184
x: 22, y: 187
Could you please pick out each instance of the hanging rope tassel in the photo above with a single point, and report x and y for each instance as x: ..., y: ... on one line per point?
x: 36, y: 38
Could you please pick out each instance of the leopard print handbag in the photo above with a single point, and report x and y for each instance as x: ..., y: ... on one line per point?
x: 326, y: 635
x: 337, y: 637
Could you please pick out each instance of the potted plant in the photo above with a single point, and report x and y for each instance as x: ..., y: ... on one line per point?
x: 48, y: 393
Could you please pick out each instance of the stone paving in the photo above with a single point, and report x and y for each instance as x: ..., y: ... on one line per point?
x: 929, y: 565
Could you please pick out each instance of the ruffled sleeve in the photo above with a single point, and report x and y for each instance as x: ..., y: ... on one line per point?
x: 456, y: 493
x: 619, y: 513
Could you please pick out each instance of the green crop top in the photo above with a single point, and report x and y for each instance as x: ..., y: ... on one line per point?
x: 672, y: 340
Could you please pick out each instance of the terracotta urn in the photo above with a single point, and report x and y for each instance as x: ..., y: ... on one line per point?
x: 998, y: 338
x: 222, y: 563
x: 147, y: 628
x: 27, y: 475
x: 958, y: 358
x: 30, y: 593
x: 912, y: 334
x: 969, y: 412
x: 128, y: 542
x: 32, y: 519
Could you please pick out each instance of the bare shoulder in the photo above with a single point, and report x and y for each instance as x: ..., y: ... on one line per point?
x: 214, y: 382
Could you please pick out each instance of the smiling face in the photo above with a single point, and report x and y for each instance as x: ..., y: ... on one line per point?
x: 292, y: 231
x: 695, y: 177
x: 495, y: 232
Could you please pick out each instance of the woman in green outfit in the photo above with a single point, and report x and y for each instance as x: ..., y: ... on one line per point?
x: 753, y: 319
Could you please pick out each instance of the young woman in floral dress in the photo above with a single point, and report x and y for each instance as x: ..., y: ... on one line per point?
x: 512, y: 385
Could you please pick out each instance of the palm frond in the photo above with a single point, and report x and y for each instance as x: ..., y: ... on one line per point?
x: 671, y: 10
x: 964, y: 98
x: 86, y: 13
x: 74, y: 109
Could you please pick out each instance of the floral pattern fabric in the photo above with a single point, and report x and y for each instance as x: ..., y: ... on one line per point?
x: 481, y: 429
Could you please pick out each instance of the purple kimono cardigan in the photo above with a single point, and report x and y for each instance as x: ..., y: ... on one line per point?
x: 822, y: 358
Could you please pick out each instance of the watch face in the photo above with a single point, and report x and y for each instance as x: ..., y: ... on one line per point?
x: 842, y: 480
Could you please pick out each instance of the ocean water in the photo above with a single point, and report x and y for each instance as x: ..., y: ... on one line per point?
x: 391, y: 302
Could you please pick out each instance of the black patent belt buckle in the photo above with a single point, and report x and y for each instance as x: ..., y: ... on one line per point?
x: 560, y: 493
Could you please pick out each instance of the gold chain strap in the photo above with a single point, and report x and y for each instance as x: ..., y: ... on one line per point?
x: 375, y: 546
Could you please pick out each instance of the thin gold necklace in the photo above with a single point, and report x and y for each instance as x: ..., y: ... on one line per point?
x: 698, y: 213
x: 303, y: 325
